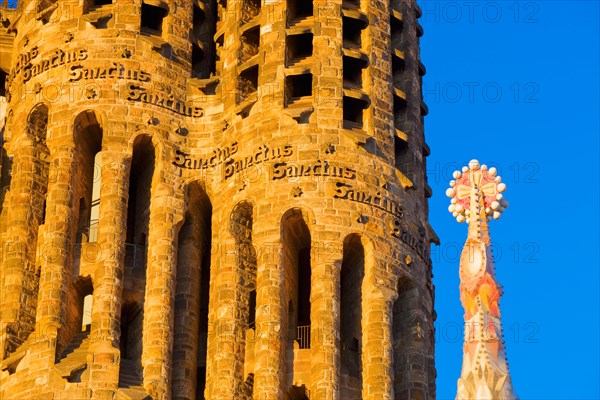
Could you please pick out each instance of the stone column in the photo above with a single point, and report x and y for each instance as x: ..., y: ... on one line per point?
x: 270, y: 308
x: 56, y: 255
x: 18, y: 250
x: 108, y: 275
x: 326, y: 262
x: 159, y: 299
x: 225, y: 366
x: 187, y: 301
x: 377, y: 352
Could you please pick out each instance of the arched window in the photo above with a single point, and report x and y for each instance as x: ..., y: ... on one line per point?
x: 406, y: 332
x: 352, y: 274
x: 192, y: 298
x: 136, y: 250
x: 30, y: 168
x: 88, y: 169
x: 296, y: 246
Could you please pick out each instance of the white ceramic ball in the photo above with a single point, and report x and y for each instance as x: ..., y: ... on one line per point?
x: 474, y: 164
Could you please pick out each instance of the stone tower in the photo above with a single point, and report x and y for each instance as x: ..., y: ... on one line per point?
x: 219, y: 199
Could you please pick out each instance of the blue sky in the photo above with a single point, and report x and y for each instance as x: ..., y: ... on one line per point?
x: 515, y: 85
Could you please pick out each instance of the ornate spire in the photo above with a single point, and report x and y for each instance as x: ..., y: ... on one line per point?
x: 476, y: 197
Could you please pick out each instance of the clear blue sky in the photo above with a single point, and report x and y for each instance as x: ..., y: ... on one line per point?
x: 515, y: 85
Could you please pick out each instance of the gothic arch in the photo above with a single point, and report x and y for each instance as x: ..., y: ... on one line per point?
x: 296, y: 260
x: 192, y: 291
x: 407, y: 332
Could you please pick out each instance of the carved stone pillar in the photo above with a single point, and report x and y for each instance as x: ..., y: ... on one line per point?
x: 377, y: 356
x: 108, y: 275
x: 18, y: 250
x: 326, y: 260
x: 55, y: 254
x: 187, y: 313
x: 270, y: 308
x: 225, y: 366
x: 165, y: 218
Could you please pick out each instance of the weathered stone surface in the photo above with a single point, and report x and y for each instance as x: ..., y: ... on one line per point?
x: 214, y: 199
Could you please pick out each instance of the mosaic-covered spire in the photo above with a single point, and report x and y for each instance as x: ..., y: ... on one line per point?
x: 476, y: 197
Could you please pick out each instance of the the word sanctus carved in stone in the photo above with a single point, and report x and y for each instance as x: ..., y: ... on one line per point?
x: 138, y: 93
x: 377, y: 200
x: 57, y: 59
x: 217, y: 157
x: 419, y: 245
x: 118, y: 71
x: 319, y: 168
x: 263, y: 154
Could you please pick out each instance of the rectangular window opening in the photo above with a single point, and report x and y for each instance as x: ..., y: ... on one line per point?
x: 249, y: 44
x: 398, y: 67
x: 399, y: 113
x: 298, y: 86
x: 198, y: 67
x: 152, y: 18
x: 352, y: 32
x: 248, y: 82
x: 396, y: 26
x: 299, y: 9
x: 352, y: 71
x: 198, y: 21
x: 401, y: 154
x: 298, y: 47
x: 353, y: 112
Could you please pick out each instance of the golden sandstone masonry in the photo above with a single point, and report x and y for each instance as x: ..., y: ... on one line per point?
x: 220, y: 199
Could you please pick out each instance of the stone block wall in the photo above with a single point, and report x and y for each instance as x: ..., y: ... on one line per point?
x: 262, y: 214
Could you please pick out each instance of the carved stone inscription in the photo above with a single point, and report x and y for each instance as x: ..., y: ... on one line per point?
x: 159, y: 99
x: 56, y: 59
x: 214, y: 159
x: 318, y: 168
x: 418, y: 243
x: 263, y: 154
x: 377, y: 200
x: 114, y: 70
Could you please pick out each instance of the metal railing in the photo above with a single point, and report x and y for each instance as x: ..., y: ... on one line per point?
x: 303, y: 336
